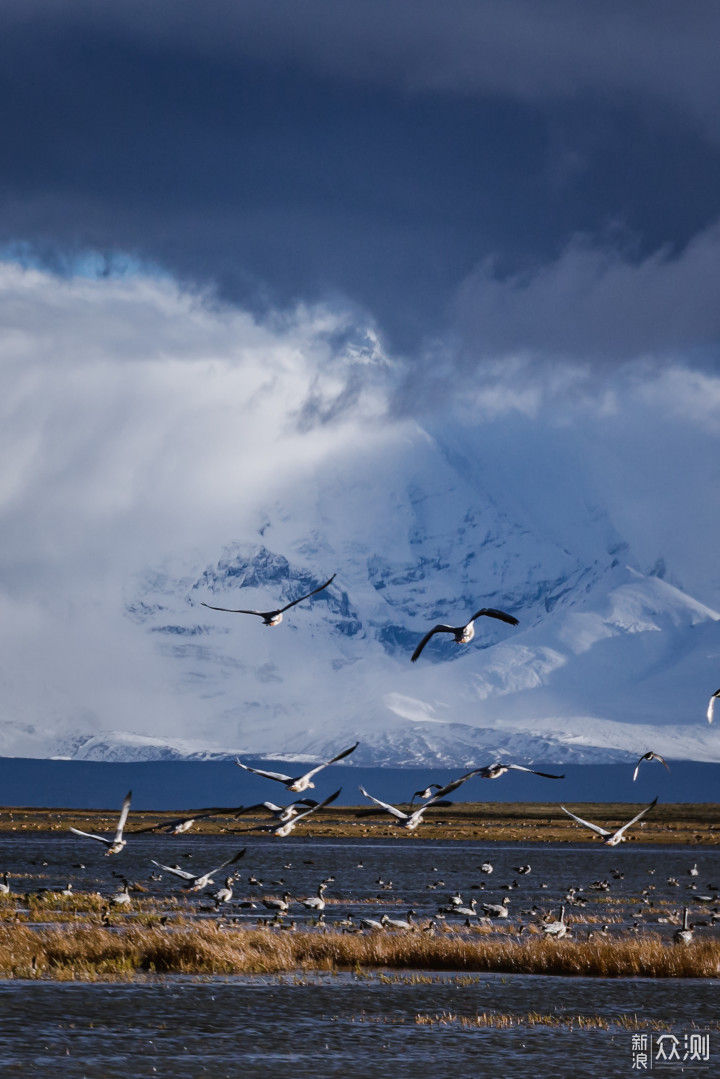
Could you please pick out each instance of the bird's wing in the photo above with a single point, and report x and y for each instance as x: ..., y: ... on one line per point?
x: 268, y: 775
x: 236, y: 610
x: 450, y: 787
x: 314, y: 808
x: 168, y: 824
x: 178, y: 872
x: 637, y: 767
x: 123, y: 817
x: 640, y: 814
x: 595, y: 827
x: 289, y: 605
x: 545, y: 775
x: 711, y: 706
x: 229, y: 861
x: 153, y: 827
x: 492, y: 612
x: 390, y: 809
x: 258, y: 805
x: 202, y: 814
x: 337, y: 757
x: 426, y: 638
x: 90, y: 835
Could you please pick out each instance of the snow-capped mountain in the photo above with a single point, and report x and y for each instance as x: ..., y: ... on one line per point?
x: 610, y: 657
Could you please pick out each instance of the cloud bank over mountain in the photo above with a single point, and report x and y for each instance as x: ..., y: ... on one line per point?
x: 161, y: 448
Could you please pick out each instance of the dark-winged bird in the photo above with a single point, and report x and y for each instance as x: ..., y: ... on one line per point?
x: 464, y: 634
x: 272, y: 618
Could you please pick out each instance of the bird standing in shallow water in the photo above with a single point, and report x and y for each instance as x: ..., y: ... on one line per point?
x: 557, y: 929
x: 272, y: 618
x: 684, y: 935
x: 464, y: 634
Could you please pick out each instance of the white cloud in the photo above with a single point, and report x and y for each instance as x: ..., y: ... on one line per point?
x: 141, y: 423
x: 131, y: 409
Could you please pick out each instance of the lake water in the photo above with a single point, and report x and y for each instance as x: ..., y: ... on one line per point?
x: 361, y: 1026
x: 379, y: 876
x: 173, y: 784
x: 334, y: 1026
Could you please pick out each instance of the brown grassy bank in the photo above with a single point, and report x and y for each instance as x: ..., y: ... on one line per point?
x: 528, y: 822
x: 96, y: 953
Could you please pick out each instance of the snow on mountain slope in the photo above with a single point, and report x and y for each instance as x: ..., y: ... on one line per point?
x: 607, y: 661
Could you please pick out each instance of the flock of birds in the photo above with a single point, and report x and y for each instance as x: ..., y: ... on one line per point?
x: 286, y: 818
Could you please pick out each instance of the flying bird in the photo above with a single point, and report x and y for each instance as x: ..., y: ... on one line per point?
x: 280, y: 813
x: 426, y: 793
x: 464, y: 634
x: 195, y: 882
x: 272, y: 618
x: 283, y: 829
x: 711, y: 705
x: 611, y: 838
x: 412, y: 820
x: 184, y: 824
x: 117, y: 843
x: 649, y: 756
x: 297, y: 784
x: 494, y: 771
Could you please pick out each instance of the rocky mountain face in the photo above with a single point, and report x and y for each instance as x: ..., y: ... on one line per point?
x: 610, y: 658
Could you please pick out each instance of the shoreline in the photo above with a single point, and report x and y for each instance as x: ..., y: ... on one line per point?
x: 691, y: 824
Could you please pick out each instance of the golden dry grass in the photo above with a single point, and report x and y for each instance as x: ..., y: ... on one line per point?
x: 96, y: 952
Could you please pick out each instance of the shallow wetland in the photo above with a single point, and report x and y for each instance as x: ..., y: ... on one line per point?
x: 175, y: 985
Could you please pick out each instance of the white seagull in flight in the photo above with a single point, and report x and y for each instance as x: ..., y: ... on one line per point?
x: 464, y: 634
x: 284, y: 828
x: 117, y: 843
x: 297, y: 784
x: 494, y: 771
x: 282, y: 814
x: 272, y: 618
x: 711, y: 705
x: 197, y: 881
x: 407, y: 820
x: 649, y: 756
x: 611, y: 839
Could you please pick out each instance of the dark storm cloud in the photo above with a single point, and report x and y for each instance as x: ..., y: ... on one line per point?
x: 376, y: 151
x: 594, y: 304
x: 656, y: 48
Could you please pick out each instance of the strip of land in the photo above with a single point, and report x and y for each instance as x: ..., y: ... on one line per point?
x: 526, y: 822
